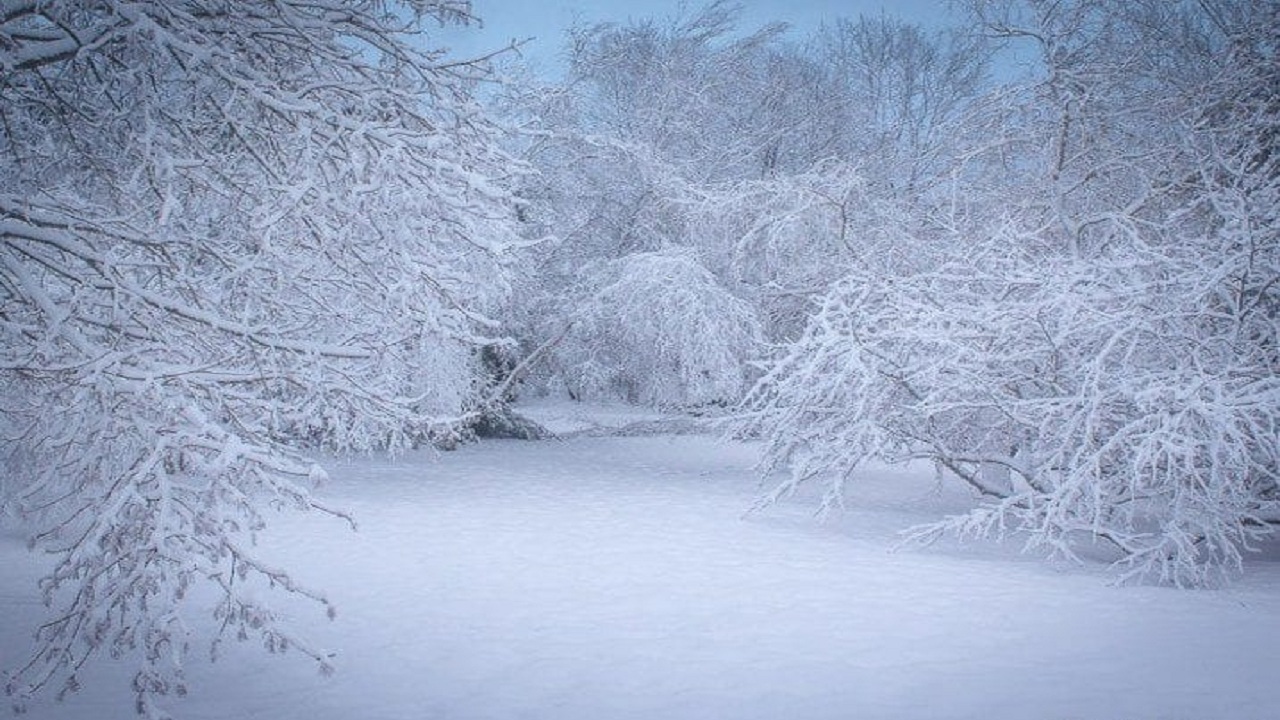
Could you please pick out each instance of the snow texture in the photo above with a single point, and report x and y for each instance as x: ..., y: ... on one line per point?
x: 608, y: 577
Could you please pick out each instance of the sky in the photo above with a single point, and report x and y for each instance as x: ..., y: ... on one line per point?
x: 546, y: 20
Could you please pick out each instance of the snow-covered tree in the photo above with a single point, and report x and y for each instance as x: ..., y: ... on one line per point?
x: 229, y: 232
x: 1096, y: 356
x: 776, y: 163
x: 894, y: 95
x: 691, y: 88
x: 781, y: 242
x: 657, y: 329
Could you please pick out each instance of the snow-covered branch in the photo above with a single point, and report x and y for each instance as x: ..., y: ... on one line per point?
x: 229, y: 234
x: 1096, y: 353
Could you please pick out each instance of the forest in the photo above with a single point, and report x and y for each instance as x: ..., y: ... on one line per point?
x: 241, y: 239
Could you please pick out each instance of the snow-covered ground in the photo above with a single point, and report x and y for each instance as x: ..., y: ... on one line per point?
x: 616, y: 577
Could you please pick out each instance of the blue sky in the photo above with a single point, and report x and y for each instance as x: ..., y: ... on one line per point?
x: 546, y: 20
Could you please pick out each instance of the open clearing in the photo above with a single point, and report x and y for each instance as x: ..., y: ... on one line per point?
x: 616, y: 577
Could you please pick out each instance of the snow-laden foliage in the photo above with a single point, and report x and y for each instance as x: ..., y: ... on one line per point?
x: 229, y: 231
x: 892, y: 94
x: 777, y: 164
x: 1111, y: 397
x: 720, y: 102
x: 781, y: 242
x: 1099, y: 359
x: 657, y: 329
x: 677, y: 85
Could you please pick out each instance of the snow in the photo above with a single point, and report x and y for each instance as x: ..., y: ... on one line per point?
x: 617, y: 577
x: 566, y: 418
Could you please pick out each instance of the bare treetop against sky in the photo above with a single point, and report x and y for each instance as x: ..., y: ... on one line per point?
x: 545, y: 22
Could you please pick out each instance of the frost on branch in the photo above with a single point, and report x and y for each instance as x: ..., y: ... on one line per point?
x: 228, y: 233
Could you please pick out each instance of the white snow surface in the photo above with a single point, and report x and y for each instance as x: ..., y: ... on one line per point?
x: 567, y: 418
x: 617, y: 577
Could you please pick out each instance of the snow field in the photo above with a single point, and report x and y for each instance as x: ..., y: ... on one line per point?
x: 617, y: 578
